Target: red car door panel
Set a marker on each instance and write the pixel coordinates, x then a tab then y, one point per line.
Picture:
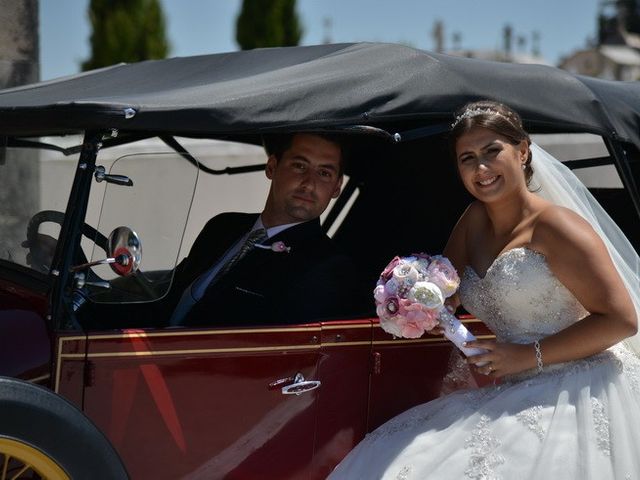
203	403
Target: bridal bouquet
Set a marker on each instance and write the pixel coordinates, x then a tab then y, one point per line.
410	297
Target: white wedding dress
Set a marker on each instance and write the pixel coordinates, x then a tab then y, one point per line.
577	420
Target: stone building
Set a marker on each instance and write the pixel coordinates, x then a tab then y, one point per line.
616	53
611	62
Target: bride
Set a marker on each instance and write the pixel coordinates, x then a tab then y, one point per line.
556	287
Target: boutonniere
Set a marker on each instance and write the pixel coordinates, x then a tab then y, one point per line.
278	247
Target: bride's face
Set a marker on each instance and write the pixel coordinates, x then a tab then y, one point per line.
490	165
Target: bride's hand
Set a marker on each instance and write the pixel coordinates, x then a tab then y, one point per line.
436	331
502	358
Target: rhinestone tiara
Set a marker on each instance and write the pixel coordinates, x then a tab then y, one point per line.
474	112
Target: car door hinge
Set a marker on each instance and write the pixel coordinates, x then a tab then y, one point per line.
89	373
376	364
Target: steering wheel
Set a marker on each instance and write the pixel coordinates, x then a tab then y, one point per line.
54	216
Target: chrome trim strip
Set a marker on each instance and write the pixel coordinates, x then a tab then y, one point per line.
180	332
38	379
425	340
345	344
162	353
345	327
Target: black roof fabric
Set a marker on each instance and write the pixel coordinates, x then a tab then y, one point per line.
313	87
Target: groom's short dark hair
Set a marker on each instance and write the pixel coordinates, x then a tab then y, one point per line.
277	143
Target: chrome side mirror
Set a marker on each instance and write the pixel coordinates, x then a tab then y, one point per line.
125	248
125	253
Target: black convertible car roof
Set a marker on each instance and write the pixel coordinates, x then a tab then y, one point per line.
311	87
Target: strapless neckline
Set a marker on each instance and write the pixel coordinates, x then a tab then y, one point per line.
519	298
499	258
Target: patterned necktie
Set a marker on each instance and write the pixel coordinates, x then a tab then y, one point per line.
255	237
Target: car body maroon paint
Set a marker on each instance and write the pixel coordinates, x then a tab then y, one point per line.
208	403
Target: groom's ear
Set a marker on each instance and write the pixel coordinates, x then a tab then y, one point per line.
271	166
336	192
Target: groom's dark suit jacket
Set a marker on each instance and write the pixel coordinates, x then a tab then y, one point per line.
315	280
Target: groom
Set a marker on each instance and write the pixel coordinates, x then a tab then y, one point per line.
276	267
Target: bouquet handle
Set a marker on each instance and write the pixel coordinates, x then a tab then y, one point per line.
455	331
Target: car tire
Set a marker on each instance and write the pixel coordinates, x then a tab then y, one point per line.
44	431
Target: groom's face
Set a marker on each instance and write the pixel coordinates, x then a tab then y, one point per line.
303	180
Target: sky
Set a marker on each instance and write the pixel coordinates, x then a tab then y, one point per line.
208	26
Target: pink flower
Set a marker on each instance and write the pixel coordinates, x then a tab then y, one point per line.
277	247
387	273
280	247
409	328
418	314
442	273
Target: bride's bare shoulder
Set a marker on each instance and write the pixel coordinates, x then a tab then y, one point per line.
559	227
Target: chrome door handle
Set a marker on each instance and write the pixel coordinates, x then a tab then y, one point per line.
300	385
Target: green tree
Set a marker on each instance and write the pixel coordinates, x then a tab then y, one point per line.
126	31
268	23
630	13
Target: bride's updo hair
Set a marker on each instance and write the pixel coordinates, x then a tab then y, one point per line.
494	116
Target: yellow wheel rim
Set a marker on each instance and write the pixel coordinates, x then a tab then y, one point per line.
19	460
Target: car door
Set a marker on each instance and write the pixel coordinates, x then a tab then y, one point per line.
408	372
205	403
345	367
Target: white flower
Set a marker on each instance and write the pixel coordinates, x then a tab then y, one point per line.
390	326
405	274
427	294
422	264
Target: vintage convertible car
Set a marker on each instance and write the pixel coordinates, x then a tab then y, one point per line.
95	165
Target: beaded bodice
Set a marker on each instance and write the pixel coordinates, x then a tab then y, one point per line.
519	298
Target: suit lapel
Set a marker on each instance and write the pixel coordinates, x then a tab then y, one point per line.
297	237
218	239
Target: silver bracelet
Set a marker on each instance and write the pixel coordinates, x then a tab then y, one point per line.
536	345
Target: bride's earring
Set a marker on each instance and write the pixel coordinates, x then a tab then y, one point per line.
524	166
